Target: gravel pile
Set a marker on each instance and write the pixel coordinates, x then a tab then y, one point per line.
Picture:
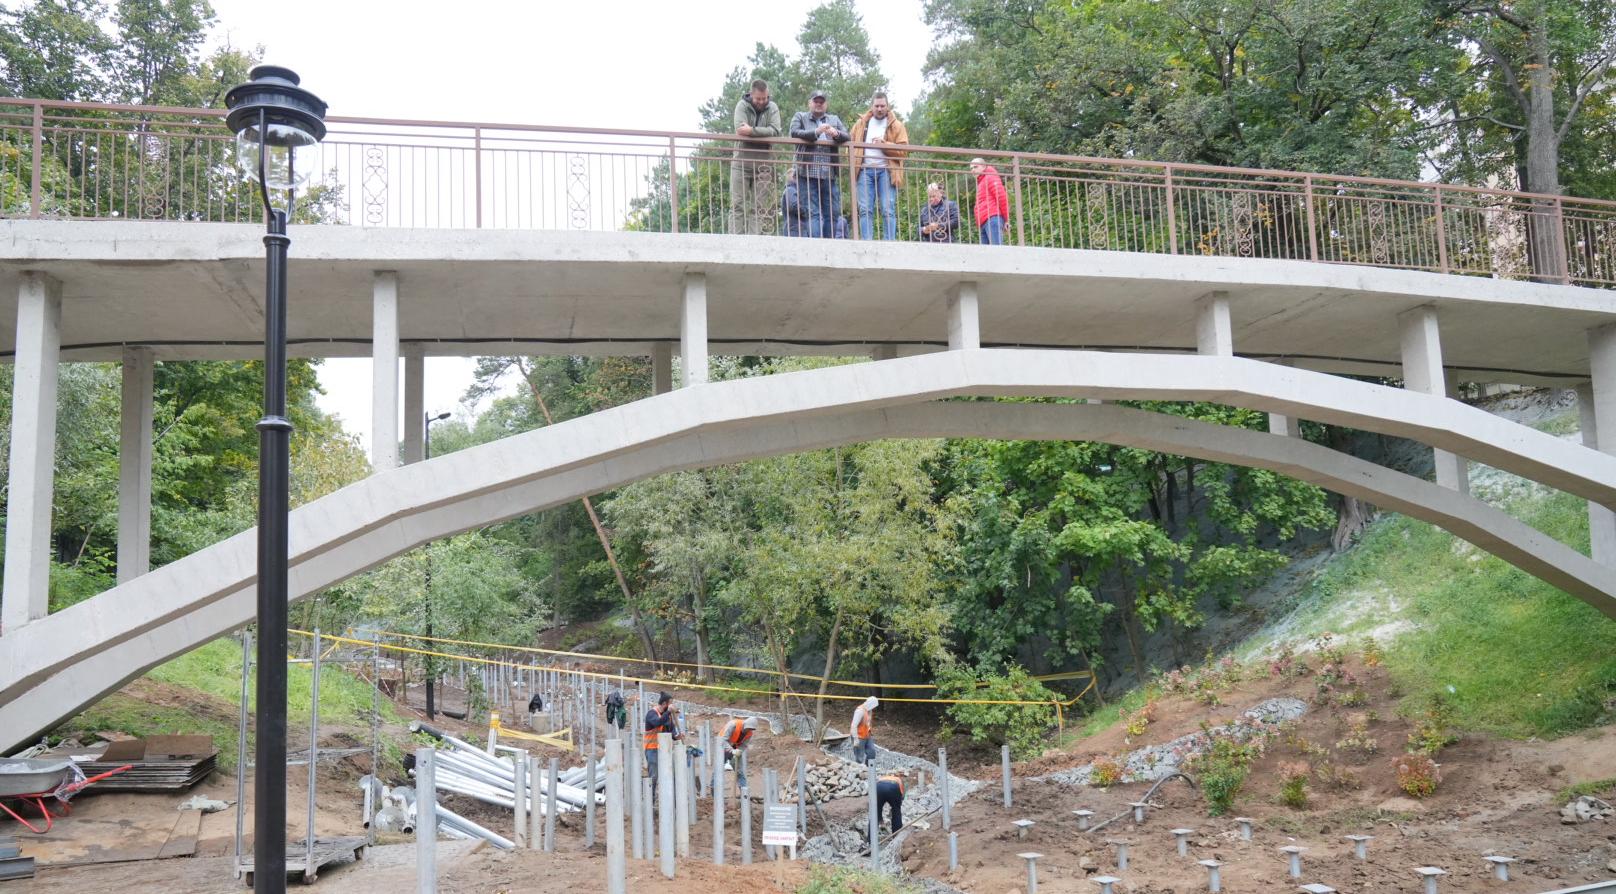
1153	762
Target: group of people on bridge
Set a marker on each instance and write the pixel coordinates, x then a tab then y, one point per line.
811	200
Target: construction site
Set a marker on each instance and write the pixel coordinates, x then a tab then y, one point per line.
558	799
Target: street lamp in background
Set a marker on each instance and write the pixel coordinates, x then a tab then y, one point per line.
432	668
277	123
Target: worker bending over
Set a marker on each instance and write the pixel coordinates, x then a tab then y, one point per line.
660	719
889	793
737	734
863	742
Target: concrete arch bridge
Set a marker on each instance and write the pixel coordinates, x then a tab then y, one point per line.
1099	323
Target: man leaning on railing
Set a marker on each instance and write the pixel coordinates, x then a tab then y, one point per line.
822	134
751	176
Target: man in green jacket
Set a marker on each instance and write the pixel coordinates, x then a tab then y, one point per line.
751	175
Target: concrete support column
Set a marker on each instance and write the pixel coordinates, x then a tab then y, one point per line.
1214	334
884	352
964	319
693	330
1596	402
414	403
135	465
661	368
384	375
1284	425
1422	372
26	595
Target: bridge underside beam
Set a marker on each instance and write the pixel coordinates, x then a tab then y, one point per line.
176	607
1461	514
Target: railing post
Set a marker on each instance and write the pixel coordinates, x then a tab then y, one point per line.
477	167
673	186
1172	215
1441	232
854	231
1015	184
39	150
1560	234
1312	226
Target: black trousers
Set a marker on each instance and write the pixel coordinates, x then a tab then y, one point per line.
888	794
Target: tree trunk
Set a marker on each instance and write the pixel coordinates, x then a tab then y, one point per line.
1351	517
698	608
1545	239
831	647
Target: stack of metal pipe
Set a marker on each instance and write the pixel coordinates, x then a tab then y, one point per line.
464	769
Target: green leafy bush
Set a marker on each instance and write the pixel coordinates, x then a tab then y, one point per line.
1293	784
1022	727
1222	772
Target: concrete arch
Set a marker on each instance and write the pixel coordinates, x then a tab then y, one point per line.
58	664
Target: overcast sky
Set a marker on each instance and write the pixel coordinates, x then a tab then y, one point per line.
623	63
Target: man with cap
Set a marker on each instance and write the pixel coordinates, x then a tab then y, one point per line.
737	735
660	719
863	741
818	168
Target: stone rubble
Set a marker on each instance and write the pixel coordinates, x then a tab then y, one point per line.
1154	762
1584	809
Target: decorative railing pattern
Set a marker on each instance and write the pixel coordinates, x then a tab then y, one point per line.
93	161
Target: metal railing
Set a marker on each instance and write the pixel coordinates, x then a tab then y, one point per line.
94	161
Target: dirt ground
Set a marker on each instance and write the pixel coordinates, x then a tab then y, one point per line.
1495	797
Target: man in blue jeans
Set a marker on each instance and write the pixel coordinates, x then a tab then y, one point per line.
878	169
818	168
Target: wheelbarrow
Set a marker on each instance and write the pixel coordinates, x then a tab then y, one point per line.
32	780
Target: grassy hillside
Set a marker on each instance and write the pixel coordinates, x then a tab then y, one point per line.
200	692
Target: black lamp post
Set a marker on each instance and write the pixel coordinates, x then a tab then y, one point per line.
431	663
275	120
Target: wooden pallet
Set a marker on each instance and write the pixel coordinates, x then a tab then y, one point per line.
326	851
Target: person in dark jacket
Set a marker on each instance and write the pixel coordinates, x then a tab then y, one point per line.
818	164
660	719
793	211
939	217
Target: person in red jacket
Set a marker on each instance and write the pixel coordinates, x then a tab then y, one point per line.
992	202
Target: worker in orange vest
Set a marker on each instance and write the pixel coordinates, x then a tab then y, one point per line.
863	742
660	719
737	734
889	794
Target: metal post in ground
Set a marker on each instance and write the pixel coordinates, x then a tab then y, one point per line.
665	805
953	851
1004	760
242	760
647	819
874	828
681	794
769	850
520	799
718	812
942	776
550	808
616	859
426	823
535	820
631	783
589	802
375	740
314	747
746	826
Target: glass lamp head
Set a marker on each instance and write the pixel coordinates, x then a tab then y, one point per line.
277	123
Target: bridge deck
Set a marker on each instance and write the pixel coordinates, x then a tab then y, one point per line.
195	291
